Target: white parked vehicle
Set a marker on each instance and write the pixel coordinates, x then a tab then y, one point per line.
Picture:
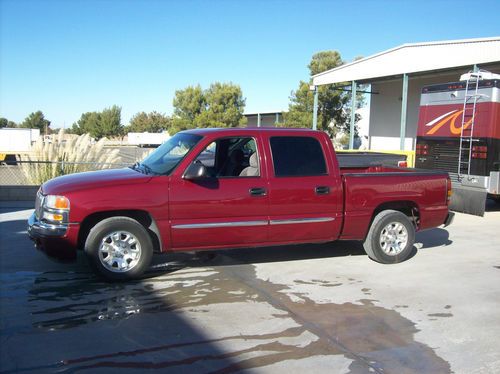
15	142
147	139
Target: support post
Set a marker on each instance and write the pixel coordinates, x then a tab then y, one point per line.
353	114
315	108
404	106
258	119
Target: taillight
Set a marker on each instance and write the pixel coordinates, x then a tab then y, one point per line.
422	149
402	164
449	191
480	152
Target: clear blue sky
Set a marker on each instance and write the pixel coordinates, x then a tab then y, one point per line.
69	57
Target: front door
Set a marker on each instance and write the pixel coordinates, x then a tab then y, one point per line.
227	208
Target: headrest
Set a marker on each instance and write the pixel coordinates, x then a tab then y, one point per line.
254	162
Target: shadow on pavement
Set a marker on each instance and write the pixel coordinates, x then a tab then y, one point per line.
492	206
433	238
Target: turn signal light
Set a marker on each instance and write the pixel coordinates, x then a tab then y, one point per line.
53	217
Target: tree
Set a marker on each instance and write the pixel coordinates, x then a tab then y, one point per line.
36	120
333	103
221	105
86	124
4	122
110	122
225	106
100	124
149	122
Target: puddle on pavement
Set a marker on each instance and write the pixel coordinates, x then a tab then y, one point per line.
373	338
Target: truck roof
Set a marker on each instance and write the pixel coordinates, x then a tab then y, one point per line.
251	130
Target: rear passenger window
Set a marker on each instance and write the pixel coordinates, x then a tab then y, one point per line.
297	156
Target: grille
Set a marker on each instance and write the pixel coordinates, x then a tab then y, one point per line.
445	157
38	204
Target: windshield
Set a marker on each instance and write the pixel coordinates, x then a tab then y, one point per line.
167	156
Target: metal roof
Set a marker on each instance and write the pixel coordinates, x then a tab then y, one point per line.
415	58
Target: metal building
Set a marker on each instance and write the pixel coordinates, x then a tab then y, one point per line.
397	76
265	119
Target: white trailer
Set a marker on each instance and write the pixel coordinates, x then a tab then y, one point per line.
16	141
147	139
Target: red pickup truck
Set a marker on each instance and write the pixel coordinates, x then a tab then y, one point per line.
226	188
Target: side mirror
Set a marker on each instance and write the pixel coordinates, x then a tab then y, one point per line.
195	171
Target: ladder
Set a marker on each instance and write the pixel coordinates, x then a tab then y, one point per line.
468	116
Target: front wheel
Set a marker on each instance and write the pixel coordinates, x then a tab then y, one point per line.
391	237
119	248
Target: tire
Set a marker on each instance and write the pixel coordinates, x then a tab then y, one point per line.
119	248
391	237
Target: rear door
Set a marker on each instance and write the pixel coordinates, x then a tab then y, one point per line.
305	191
227	208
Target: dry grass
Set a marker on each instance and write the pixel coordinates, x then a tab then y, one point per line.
67	154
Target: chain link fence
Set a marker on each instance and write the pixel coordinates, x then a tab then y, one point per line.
32	173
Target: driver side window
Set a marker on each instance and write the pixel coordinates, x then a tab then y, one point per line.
231	157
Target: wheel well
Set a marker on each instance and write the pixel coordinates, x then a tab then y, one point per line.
409	208
140	216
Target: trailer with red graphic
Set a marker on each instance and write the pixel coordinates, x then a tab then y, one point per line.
459	132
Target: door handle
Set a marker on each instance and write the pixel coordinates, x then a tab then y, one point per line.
258	191
322	190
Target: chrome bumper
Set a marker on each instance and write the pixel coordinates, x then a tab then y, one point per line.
37	229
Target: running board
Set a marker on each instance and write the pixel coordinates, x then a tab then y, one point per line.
468	200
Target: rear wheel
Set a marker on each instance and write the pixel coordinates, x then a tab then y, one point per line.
391	237
119	248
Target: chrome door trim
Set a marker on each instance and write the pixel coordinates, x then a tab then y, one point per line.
253	223
220	224
301	220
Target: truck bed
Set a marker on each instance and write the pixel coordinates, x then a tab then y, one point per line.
369	187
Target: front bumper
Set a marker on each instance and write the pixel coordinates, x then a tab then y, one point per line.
38	229
56	241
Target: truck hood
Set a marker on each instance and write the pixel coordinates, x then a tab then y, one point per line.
93	179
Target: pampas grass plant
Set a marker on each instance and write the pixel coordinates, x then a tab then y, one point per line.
67	154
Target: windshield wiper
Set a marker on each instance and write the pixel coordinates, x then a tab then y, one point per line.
136	167
147	169
143	168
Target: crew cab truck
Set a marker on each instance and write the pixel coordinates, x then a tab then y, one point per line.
226	188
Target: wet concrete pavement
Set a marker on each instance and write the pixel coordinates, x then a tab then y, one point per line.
322	308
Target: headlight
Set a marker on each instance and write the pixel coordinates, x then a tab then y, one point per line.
57	202
55	209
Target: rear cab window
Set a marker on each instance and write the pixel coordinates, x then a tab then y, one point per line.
297	156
